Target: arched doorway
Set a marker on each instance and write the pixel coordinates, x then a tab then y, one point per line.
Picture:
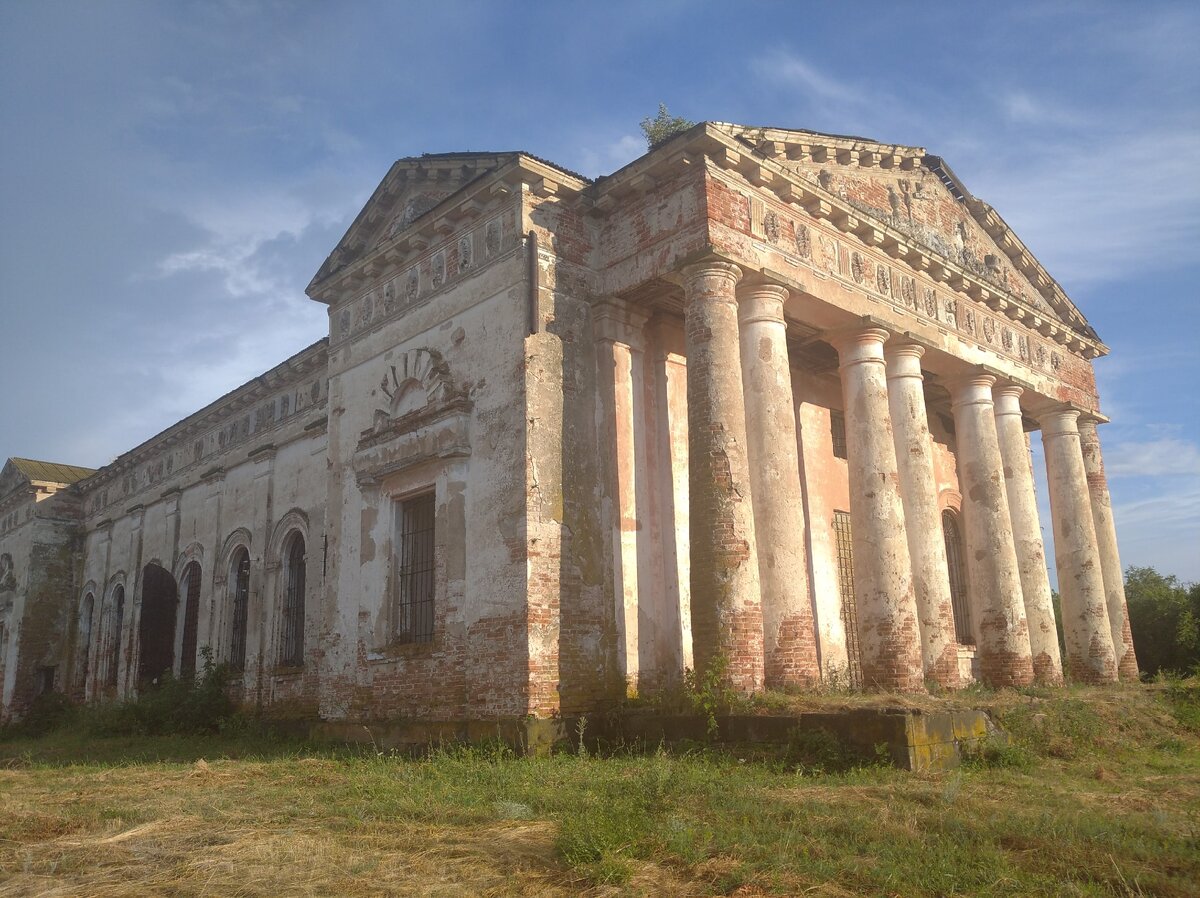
191	620
156	631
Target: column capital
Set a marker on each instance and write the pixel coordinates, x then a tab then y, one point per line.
761	301
1092	418
1058	420
903	358
860	342
710	269
973	386
619	321
1007	397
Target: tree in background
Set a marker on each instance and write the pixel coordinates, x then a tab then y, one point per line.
663	127
1164	617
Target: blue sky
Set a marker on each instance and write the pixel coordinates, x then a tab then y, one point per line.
172	174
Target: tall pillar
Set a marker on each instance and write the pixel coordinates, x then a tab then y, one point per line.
1027	536
618	361
789	644
922	518
889	633
995	577
1090	655
1106	542
726	606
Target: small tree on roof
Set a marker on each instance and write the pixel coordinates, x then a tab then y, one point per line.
663	126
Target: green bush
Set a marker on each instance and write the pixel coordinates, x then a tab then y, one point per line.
1164	617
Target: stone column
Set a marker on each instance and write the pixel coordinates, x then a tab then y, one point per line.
789	643
995	577
1106	541
922	518
618	360
889	634
726	606
1090	655
1027	536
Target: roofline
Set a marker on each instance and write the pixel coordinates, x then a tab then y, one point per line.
197	416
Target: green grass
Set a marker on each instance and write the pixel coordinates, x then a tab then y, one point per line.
1097	792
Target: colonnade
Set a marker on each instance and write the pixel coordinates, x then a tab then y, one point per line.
750	607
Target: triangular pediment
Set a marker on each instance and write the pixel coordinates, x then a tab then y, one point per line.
412	188
917	194
12	479
22	473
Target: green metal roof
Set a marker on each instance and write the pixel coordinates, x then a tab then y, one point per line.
50	472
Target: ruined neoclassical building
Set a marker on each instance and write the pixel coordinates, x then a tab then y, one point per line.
757	402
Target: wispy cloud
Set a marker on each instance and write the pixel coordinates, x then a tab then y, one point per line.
606	155
1022	107
1154	458
1137	192
792	71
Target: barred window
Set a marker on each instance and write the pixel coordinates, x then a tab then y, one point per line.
295	573
239	579
414	565
845	561
191	620
114	648
963	631
85	638
837	431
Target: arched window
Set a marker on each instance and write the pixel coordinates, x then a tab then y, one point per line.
292	632
955	562
191	619
85	638
114	648
239	583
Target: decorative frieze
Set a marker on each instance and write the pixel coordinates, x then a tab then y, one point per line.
438	268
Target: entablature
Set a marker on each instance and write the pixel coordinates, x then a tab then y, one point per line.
289	392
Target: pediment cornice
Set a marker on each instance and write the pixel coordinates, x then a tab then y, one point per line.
755	156
357	262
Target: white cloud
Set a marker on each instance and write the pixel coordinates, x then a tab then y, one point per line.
1021	107
605	156
789	70
1154	458
1103	207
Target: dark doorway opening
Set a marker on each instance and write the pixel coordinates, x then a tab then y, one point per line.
156	632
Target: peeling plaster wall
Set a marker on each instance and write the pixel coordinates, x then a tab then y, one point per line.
36	597
477	663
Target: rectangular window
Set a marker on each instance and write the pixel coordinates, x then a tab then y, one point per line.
837	431
845	562
414	569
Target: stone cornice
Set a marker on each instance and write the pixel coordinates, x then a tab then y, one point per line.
475	200
717	146
298	368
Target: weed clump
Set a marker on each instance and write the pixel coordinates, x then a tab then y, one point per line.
184	706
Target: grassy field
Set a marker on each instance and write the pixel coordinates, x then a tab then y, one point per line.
1097	793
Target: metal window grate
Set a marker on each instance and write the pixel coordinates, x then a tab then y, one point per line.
963	630
241	608
292	654
114	649
837	432
85	638
845	560
415	569
191	620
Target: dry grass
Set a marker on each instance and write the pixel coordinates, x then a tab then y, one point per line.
1099	795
